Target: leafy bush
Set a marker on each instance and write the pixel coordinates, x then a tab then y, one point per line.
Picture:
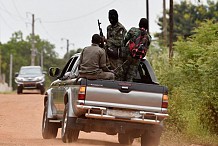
192	78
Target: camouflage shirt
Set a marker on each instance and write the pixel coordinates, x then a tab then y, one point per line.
115	35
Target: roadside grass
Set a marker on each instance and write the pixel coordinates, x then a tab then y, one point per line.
171	137
8	92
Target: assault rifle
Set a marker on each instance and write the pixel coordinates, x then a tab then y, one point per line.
101	34
119	67
100	29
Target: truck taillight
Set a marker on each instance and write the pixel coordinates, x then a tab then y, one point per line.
164	101
82	93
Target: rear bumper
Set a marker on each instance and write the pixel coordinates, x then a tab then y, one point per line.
142	116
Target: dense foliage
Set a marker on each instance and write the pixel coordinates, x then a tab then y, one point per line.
192	74
192	78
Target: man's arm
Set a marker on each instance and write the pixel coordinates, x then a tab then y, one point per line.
103	61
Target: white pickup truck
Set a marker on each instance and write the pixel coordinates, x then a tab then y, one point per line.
127	109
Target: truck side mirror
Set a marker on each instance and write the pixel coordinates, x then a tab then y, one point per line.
54	71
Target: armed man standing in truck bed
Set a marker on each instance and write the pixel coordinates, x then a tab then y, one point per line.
115	35
135	37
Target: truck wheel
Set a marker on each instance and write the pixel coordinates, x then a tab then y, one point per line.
49	130
19	90
148	140
68	133
125	139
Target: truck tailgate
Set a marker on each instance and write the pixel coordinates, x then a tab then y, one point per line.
126	95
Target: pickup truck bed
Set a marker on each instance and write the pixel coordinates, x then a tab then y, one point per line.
129	109
124	100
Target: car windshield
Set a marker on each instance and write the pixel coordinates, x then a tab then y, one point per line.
30	71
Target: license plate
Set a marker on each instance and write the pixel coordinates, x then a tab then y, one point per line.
29	84
123	113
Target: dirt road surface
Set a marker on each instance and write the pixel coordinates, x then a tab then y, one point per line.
20	124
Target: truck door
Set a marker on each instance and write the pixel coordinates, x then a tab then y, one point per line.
59	90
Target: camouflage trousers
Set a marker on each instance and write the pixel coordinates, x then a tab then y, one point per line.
130	69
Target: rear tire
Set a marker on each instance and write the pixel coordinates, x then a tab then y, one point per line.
69	133
125	139
149	139
49	130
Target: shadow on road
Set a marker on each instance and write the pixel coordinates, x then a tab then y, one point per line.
94	142
97	142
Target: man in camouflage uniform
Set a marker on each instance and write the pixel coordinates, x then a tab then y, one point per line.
115	35
131	66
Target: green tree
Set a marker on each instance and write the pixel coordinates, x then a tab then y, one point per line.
72	52
187	16
192	81
198	63
21	51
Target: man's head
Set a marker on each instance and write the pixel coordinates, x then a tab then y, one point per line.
96	39
113	17
143	23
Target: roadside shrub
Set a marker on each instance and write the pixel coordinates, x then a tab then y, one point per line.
192	79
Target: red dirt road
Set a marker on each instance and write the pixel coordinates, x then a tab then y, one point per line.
20	125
